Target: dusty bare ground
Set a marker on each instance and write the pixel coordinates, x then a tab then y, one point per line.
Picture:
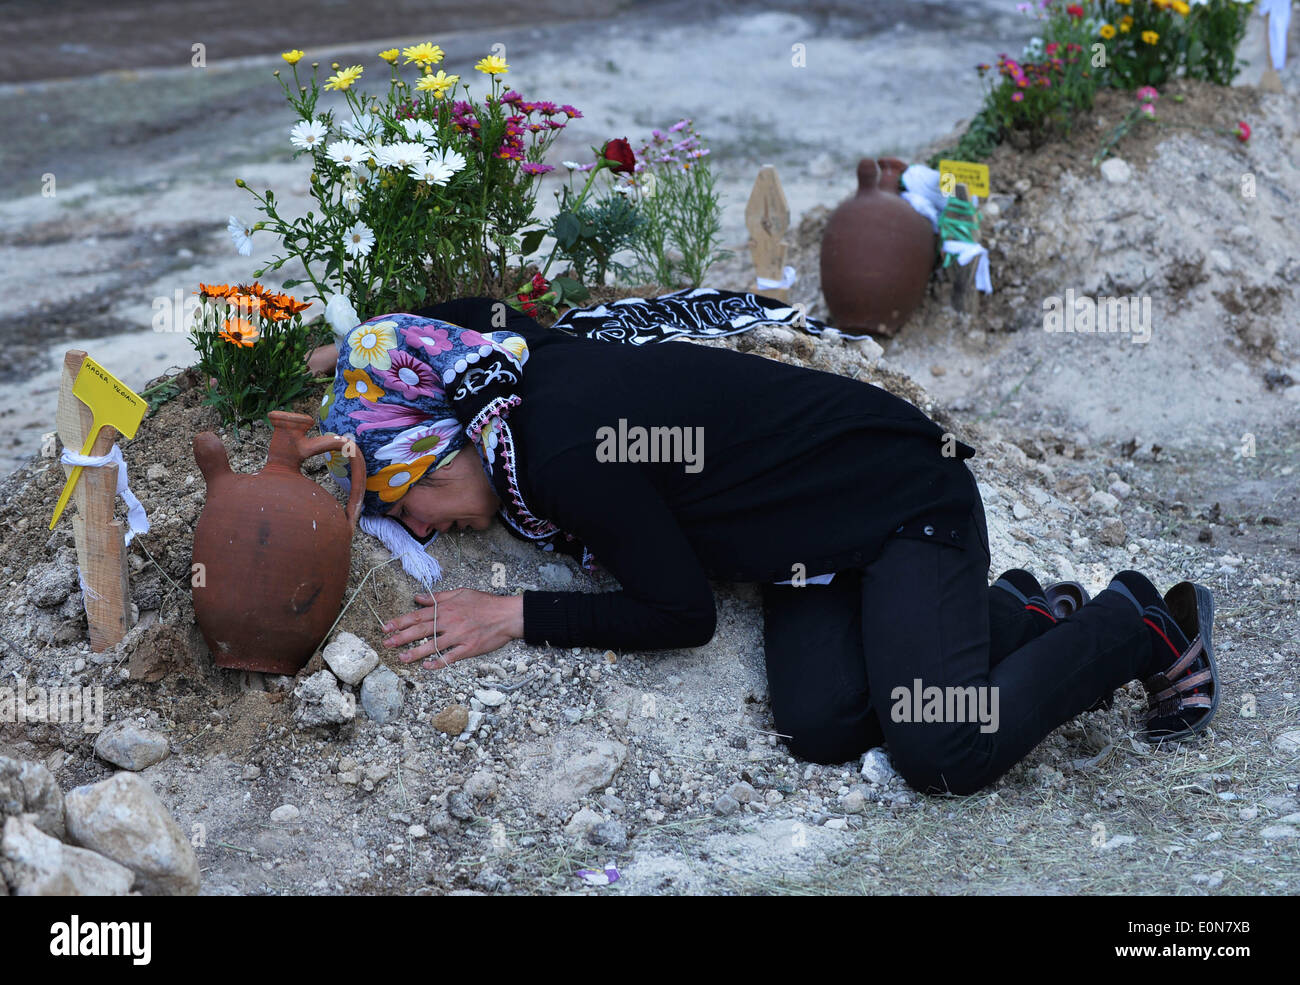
661	737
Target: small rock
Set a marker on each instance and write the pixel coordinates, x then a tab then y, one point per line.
490	698
653	780
1248	813
1278	832
251	772
853	802
1120	489
608	802
1022	186
320	702
459	806
741	792
30	788
1102	502
382	695
123	819
1116	170
1019	510
285	814
50	583
1220	261
1119	841
555	575
584	821
131	747
836	823
611	834
417	831
452	720
726	804
481	785
40	865
1288	743
350	657
877	768
1113	532
156	472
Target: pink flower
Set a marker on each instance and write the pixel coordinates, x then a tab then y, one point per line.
528	167
433	341
410	375
1148	111
1243	131
1147	94
1017	97
570	112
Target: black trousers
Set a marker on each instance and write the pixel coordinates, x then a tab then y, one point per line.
850	664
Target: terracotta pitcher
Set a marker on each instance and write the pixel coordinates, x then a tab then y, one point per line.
275	549
877	254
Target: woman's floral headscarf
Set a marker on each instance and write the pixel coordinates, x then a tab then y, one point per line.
411	390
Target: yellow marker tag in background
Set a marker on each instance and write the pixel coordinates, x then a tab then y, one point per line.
111	402
974	176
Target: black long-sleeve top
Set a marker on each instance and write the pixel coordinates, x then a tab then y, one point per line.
799	467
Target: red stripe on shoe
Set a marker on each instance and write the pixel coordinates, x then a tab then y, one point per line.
1177	652
1035	608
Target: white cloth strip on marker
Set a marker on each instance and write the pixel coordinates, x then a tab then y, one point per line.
788	277
137	520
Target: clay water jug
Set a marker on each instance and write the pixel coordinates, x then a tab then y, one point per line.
274	549
877	254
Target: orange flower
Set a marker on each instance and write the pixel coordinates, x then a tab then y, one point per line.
288	303
246	305
256	289
276	314
213	290
239	331
393	481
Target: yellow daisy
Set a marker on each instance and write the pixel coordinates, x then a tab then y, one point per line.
291	56
1181	7
344	77
423	54
369	344
492	65
361	385
1107	31
389	56
1126	25
392	481
1150	37
437	84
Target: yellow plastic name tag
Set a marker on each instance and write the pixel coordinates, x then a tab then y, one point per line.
974	176
111	402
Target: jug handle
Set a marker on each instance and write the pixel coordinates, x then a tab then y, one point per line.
338	442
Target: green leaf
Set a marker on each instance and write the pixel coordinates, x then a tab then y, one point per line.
570	289
531	241
567	229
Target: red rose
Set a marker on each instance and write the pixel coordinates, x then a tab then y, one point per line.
1075	11
619	151
1243	131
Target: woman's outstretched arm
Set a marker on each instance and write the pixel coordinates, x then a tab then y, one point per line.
666	600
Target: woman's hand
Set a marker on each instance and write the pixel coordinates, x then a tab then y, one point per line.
459	623
323	360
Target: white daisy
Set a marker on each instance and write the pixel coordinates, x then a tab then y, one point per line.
242	235
309	134
402	155
362	127
453	159
433	171
348	153
571	165
358	240
419	130
351	200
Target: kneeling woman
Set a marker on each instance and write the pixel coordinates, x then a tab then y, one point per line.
853	509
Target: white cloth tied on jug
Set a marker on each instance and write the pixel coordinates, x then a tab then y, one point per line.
788	277
137	520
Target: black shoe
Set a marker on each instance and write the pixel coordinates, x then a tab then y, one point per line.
1026	589
1184	696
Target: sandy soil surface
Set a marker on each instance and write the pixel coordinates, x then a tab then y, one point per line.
665	763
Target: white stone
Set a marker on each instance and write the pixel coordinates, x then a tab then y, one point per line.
123	819
877	768
44	866
1116	170
131	747
350	657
